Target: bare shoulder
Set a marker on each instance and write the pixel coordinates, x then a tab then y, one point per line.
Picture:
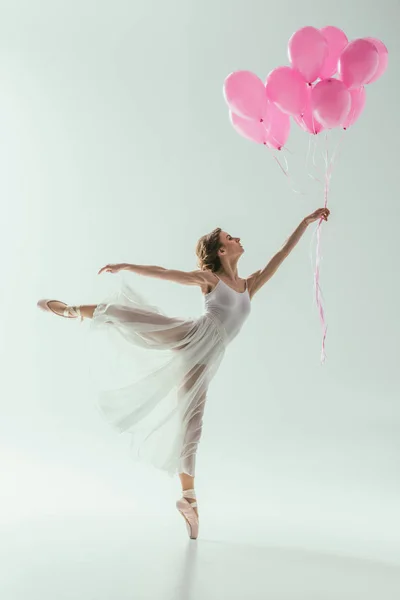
207	281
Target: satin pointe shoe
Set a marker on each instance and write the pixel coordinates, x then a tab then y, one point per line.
69	312
186	509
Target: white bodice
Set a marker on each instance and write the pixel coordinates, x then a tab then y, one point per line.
229	307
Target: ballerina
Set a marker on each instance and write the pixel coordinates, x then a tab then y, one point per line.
163	409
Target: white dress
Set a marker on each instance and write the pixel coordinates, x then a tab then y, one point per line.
173	361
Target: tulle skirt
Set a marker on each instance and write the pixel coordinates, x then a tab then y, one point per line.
157	383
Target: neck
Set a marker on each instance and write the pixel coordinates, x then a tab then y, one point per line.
229	268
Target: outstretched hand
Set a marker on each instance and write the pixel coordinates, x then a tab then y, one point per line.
111	269
321	213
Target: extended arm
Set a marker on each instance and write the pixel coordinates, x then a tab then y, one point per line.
259	278
198	277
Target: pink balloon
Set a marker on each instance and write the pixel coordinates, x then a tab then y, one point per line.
307	52
358	98
337	42
331	102
307	121
279	127
245	95
358	63
252	130
383	56
288	90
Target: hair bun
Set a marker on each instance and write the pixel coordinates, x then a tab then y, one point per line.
207	251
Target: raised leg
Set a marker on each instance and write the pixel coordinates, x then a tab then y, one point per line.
64	310
158	330
87	310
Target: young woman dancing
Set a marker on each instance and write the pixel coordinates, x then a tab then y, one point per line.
163	408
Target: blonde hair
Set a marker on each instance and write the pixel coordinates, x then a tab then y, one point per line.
207	251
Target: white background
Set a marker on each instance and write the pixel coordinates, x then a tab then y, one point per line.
115	146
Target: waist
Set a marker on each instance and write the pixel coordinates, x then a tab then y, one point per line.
228	327
216	321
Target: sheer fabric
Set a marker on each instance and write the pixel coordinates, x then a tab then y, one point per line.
163	371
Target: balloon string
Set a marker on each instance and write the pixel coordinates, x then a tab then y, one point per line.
308	151
314	141
336	153
285	171
314	138
317	287
286	149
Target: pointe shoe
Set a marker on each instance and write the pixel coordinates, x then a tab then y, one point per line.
69	312
186	509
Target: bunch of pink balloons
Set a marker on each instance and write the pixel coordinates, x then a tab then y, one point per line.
322	89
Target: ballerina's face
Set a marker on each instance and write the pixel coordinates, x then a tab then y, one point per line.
231	246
